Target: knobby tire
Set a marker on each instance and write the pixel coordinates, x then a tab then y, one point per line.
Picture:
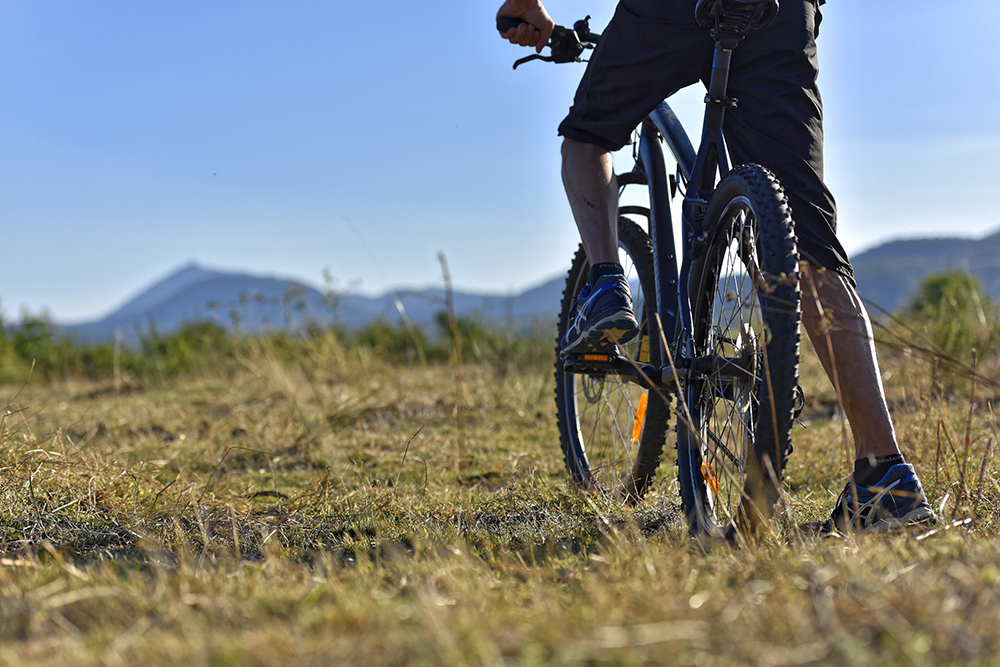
734	427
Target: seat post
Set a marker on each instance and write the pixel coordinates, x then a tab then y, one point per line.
718	85
712	154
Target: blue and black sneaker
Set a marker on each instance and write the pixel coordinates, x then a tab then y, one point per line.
604	317
896	501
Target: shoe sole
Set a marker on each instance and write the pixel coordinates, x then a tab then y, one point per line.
921	517
617	328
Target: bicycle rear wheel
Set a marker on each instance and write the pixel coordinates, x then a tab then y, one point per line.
611	430
734	432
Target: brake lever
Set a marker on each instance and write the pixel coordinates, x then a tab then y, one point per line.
565	45
533	56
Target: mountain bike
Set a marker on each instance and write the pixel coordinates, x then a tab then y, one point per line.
720	331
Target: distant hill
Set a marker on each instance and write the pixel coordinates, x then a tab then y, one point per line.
887	275
890	274
254	303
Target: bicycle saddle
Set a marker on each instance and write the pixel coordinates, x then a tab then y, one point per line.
760	13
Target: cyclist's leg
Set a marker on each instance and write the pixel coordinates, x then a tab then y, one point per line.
884	491
589	179
841	332
779	123
604	312
646	53
650	50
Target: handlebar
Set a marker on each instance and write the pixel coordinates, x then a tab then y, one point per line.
565	45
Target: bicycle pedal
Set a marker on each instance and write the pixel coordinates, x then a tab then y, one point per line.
591	363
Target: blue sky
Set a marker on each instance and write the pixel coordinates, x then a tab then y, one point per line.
364	138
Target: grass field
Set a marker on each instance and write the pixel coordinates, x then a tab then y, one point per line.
331	508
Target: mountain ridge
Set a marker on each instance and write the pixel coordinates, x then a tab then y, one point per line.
249	303
887	275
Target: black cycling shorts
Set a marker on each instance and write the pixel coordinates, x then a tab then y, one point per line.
653	48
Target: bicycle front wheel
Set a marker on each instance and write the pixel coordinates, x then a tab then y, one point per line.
734	431
612	430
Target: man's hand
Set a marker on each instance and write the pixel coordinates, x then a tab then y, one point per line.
538	27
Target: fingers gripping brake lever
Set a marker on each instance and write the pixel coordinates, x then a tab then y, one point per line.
565	45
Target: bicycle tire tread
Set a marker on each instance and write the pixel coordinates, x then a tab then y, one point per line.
776	243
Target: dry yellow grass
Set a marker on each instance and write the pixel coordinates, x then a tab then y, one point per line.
321	512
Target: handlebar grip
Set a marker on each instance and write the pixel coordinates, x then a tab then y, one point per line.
505	23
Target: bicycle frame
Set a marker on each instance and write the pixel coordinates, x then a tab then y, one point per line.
699	172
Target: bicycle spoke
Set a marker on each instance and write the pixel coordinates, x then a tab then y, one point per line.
728	399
